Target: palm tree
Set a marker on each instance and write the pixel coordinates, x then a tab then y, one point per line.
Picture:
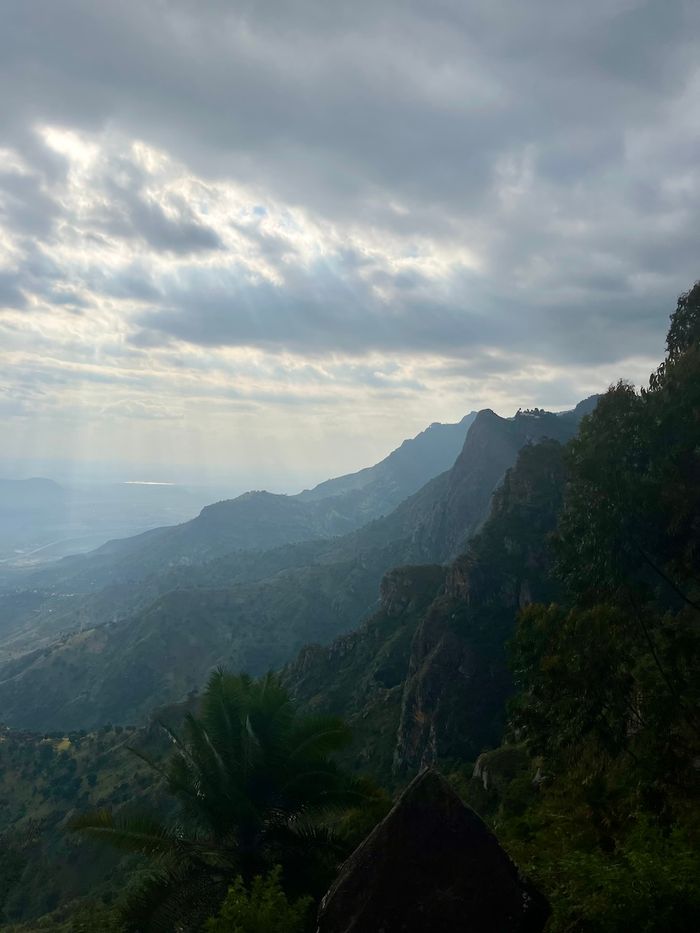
255	786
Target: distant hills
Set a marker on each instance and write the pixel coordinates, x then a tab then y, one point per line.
180	601
220	547
262	520
405	470
34	493
423	676
42	521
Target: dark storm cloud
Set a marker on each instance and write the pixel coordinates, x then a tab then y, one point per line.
558	141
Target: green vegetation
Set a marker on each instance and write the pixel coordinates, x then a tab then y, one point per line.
608	680
265	909
585	576
148	640
255	786
361	675
44	777
85	916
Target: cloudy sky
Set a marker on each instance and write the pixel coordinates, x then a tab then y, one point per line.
271	239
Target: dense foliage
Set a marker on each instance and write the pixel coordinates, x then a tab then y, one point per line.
609	678
262	909
255	786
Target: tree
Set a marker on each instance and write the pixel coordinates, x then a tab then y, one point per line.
631	521
622	658
609	679
263	909
255	784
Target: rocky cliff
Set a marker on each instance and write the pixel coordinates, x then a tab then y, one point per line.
458	679
361	675
426	678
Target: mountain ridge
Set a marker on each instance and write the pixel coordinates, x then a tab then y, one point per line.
255	625
260	519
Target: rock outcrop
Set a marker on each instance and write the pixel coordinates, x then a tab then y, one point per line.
361	675
458	678
431	865
454	692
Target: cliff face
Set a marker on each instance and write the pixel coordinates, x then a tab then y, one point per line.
427	677
458	678
440	519
361	675
453	696
404	471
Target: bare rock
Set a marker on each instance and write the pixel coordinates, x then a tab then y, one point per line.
431	865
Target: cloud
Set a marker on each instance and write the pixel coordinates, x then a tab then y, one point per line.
11	295
126	209
25	208
267	206
130	408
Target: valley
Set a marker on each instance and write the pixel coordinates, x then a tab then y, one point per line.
157	628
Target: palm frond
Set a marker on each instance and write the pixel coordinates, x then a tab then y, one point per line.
130	833
319	736
176	897
154	765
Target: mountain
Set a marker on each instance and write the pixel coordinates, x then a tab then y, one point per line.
435	524
423	678
426	678
221	547
262	520
41	521
118	666
36	493
406	469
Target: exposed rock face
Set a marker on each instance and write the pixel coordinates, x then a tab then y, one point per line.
453	695
361	675
426	677
490	449
498	767
404	589
431	865
458	677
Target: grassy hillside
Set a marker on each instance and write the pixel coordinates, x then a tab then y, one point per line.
43	779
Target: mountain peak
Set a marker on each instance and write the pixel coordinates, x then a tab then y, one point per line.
412	464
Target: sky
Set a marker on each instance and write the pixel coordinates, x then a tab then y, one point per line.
266	241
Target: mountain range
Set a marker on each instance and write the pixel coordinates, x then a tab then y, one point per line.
141	622
426	676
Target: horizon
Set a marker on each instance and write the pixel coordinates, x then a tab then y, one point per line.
188	476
